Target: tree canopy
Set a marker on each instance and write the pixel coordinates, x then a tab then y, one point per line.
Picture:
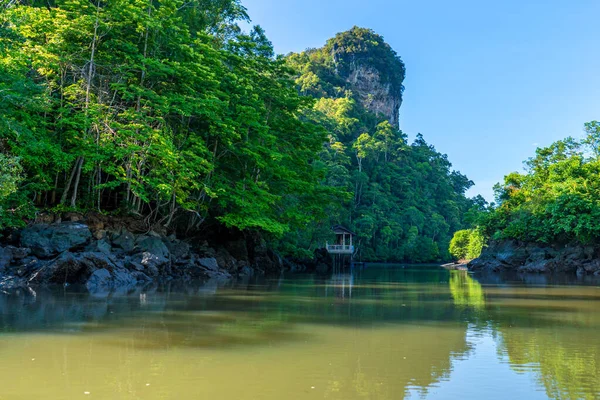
557	199
168	110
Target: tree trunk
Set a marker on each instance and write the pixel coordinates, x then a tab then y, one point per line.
63	198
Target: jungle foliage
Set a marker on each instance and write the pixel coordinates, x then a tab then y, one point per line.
169	111
466	244
404	200
557	199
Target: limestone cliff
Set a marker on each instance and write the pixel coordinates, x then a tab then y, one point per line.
358	64
372	70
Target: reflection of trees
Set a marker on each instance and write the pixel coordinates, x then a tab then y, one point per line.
466	291
398	329
550	331
568	359
414	357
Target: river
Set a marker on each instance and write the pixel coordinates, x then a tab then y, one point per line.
378	333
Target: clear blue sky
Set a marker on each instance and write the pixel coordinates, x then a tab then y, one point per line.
487	81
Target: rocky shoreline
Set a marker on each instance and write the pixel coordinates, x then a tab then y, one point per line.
513	255
105	254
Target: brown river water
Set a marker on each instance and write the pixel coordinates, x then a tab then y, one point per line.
383	332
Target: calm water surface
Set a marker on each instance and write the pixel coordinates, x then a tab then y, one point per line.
378	333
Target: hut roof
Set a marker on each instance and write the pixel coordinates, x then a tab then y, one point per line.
342	229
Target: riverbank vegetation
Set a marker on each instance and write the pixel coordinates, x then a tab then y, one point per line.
170	112
466	244
557	199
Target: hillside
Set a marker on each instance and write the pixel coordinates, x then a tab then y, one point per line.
403	199
169	113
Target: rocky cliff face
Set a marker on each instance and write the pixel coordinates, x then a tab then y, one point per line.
358	64
375	94
372	70
513	255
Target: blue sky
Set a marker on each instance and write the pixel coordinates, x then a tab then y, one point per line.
487	81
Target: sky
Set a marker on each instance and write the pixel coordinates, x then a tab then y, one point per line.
487	81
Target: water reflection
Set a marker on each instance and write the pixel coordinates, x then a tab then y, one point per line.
466	291
377	333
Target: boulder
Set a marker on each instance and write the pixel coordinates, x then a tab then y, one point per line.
124	240
19	253
99	234
227	261
153	264
103	280
67	268
28	266
123	278
246	271
74	268
103	246
209	263
238	249
100	280
6	257
134	264
140	277
178	249
153	245
48	240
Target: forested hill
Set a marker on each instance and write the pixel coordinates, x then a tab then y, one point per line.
403	200
167	111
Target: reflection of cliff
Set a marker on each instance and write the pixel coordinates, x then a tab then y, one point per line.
466	291
566	360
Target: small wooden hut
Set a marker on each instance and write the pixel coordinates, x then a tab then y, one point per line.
343	241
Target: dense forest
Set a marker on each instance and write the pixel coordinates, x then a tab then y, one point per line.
556	200
404	201
169	111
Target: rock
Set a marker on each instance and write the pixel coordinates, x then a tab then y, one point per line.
100	280
226	261
507	255
100	260
124	240
219	276
65	269
48	240
378	87
45	218
123	278
6	257
19	253
28	266
153	245
537	266
104	280
152	263
237	249
209	263
133	264
103	246
180	250
69	268
246	271
140	276
100	234
73	217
